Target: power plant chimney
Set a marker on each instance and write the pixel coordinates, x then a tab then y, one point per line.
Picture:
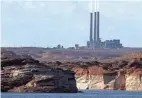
91	30
95	30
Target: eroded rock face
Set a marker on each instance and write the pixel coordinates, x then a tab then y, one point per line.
109	76
89	79
134	80
22	74
117	76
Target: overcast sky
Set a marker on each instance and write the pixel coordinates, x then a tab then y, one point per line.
48	23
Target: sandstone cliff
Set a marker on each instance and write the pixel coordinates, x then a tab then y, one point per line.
114	76
24	74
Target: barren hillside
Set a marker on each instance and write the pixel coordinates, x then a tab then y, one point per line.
128	57
45	54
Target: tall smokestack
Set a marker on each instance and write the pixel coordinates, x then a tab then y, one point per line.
98	27
95	30
91	30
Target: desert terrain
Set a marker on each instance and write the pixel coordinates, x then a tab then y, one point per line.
39	70
45	54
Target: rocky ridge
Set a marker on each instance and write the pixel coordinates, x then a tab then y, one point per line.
112	76
118	75
24	74
122	74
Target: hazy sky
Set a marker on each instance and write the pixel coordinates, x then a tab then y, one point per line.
45	23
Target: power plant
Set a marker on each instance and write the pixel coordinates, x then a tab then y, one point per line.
94	35
94	38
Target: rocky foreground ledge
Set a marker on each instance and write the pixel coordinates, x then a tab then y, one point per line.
24	74
118	75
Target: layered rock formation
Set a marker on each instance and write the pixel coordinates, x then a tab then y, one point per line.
114	76
24	74
119	75
134	80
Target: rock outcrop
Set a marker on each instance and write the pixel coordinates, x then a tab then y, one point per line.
134	80
118	75
123	75
24	74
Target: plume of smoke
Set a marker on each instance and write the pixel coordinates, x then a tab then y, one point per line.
90	6
93	5
97	5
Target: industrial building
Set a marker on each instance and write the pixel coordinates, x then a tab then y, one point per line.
111	44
